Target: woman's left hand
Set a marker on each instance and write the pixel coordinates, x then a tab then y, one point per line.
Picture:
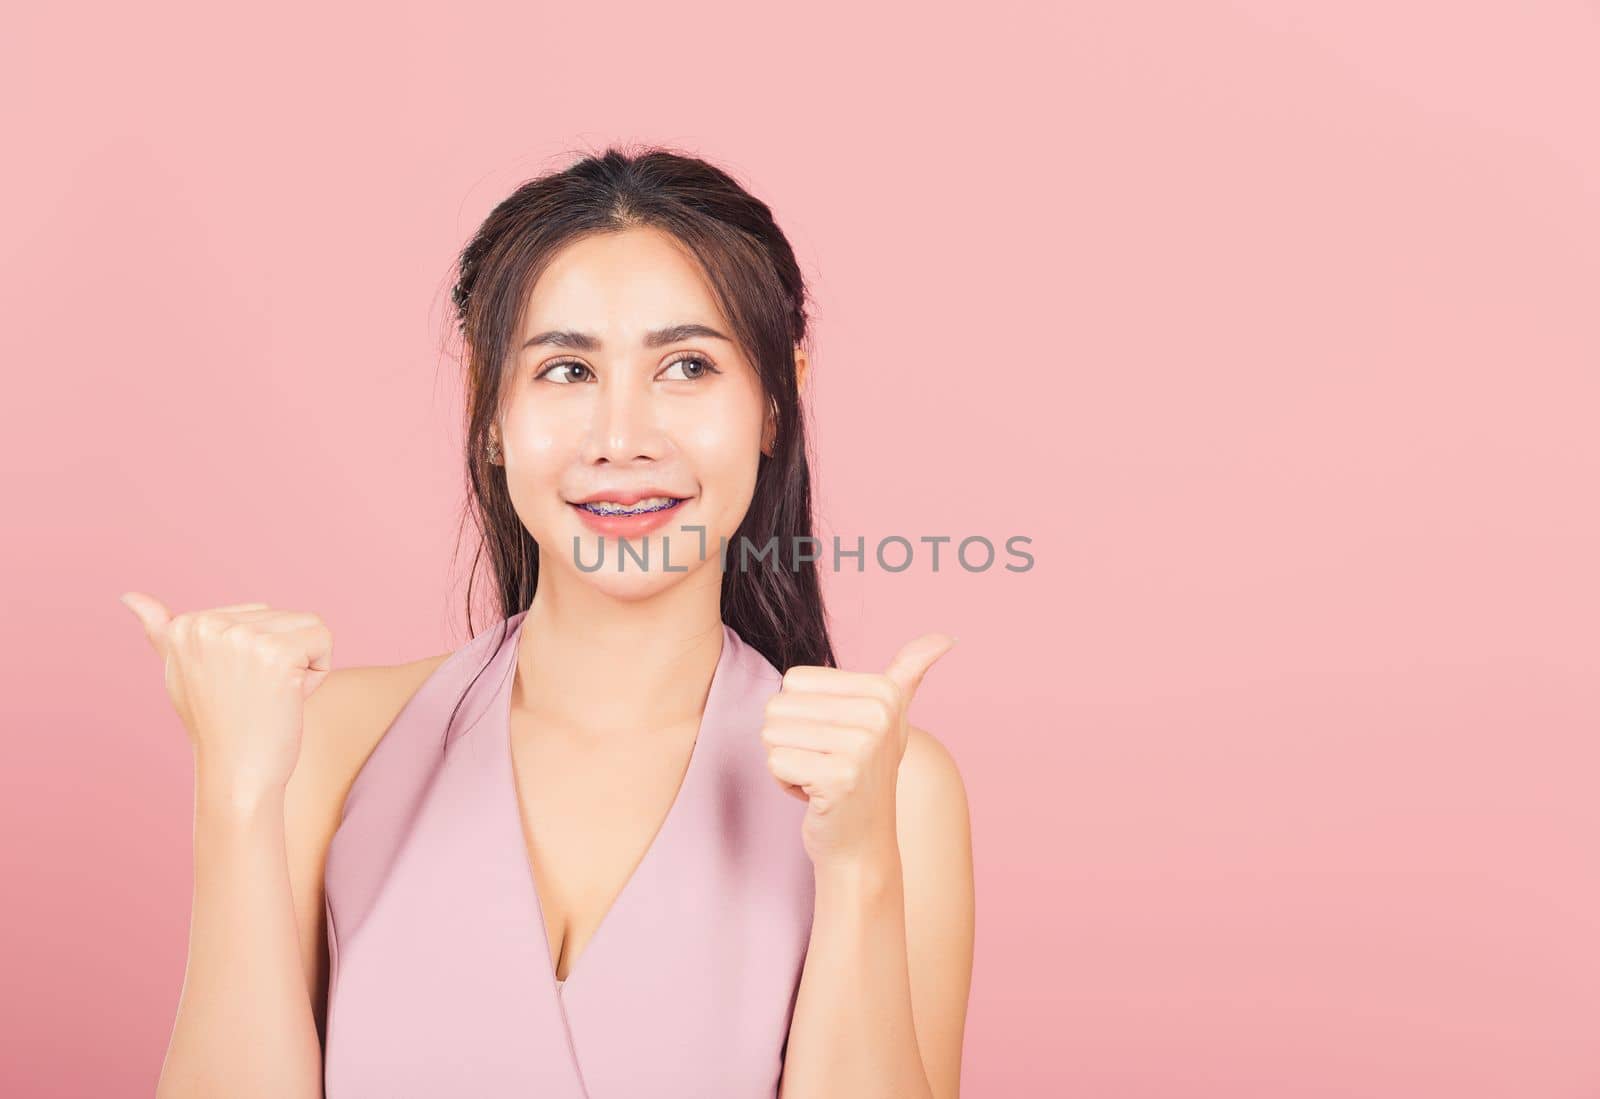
835	739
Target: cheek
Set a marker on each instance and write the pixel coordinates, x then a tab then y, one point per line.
713	443
725	453
540	439
539	450
724	431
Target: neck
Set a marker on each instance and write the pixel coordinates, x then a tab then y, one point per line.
590	662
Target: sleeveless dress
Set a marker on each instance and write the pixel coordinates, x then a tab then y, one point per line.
441	981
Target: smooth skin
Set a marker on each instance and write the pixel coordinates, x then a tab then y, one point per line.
611	677
256	695
886	830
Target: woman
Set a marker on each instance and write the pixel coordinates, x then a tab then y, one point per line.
376	848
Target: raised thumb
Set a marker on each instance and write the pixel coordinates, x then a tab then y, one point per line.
152	615
912	662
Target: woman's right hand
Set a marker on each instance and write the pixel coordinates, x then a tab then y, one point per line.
239	676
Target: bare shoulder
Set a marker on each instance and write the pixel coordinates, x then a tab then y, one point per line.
935	838
350	712
933	823
929	780
344	719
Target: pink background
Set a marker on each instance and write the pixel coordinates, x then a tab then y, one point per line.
1273	325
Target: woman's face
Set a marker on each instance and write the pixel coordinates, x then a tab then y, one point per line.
606	402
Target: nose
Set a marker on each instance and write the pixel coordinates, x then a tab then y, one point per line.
623	426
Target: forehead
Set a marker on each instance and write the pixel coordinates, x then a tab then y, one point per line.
621	284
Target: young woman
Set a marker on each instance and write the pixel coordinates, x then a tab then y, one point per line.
560	861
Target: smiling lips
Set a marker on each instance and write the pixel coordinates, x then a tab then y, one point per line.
636	507
627	513
626	497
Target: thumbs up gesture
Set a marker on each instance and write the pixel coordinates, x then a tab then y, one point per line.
238	677
835	740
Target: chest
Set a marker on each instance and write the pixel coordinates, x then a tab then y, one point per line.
590	809
680	983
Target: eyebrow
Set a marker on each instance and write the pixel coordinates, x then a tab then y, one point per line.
659	337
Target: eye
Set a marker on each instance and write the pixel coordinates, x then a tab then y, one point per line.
558	366
700	360
560	372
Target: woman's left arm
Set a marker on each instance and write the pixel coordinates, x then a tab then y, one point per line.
881	1007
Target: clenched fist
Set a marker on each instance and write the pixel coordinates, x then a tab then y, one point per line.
239	676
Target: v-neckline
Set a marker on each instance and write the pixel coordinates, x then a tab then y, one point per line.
696	750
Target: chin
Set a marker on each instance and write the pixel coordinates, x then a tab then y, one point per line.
632	585
622	576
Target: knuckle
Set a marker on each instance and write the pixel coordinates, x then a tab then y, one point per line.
210	627
887	690
239	634
266	647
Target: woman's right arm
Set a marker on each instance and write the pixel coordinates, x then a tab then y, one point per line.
245	1024
278	739
238	677
259	902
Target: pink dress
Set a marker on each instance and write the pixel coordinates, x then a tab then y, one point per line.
441	983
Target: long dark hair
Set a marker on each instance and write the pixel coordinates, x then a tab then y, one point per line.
775	605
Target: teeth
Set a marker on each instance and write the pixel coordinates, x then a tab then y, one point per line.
605	507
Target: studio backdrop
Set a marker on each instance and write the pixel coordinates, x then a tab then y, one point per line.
1224	376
